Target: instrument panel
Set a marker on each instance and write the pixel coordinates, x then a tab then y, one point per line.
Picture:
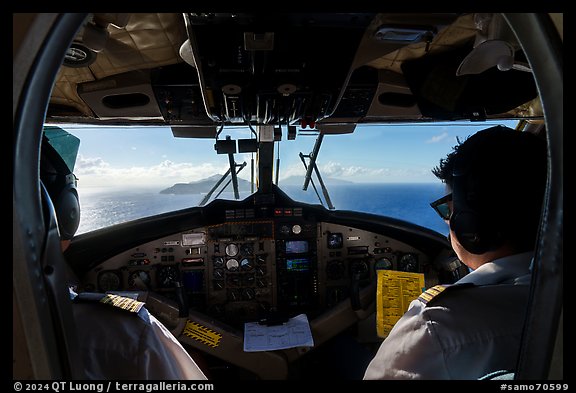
245	270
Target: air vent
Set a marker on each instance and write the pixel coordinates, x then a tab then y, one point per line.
120	101
125	95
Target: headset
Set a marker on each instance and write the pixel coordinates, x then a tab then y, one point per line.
60	183
498	183
471	219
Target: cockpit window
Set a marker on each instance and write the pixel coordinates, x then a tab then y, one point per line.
127	173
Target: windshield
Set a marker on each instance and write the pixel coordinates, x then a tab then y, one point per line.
127	173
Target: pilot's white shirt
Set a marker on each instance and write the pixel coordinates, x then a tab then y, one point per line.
117	344
466	332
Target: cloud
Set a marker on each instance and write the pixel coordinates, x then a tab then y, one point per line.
361	174
438	138
90	166
95	172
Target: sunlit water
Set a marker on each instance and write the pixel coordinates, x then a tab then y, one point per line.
411	202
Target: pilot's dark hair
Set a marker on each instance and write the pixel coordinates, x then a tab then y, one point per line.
498	180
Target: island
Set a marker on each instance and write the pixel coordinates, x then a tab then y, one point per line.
204	186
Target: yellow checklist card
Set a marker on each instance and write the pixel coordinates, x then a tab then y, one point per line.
395	292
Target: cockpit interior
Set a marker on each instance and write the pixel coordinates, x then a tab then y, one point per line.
208	271
230	263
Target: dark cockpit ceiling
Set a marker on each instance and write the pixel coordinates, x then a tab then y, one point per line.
197	72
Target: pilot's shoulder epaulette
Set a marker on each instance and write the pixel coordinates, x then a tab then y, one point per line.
434	292
123	302
118	301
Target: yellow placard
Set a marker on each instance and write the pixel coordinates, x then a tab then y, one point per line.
395	292
201	333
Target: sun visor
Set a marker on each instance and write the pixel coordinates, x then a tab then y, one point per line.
335	129
485	56
441	94
64	143
207	132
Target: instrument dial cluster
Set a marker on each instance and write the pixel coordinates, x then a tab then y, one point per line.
239	271
350	258
160	266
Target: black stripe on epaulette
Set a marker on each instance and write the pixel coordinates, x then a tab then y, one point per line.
89	297
116	301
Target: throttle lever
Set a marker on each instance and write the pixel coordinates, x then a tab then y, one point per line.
355	292
181	299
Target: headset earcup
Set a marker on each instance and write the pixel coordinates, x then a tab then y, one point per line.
67	208
467	227
466	222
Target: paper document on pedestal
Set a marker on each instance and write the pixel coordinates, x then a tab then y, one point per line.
294	333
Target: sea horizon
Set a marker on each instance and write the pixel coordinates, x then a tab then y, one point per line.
105	206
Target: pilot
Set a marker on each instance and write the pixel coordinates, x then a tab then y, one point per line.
495	181
118	337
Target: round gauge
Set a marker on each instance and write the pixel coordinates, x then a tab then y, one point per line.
383	264
218	285
359	268
219	274
232	265
264	307
234	295
296	229
216	310
260	271
139	280
109	281
335	270
260	283
247	249
233	280
218	262
248	294
335	240
246	264
168	276
231	250
285	229
408	263
248	280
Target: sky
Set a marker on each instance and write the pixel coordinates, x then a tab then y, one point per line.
114	157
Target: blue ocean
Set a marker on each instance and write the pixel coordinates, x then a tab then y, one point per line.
409	202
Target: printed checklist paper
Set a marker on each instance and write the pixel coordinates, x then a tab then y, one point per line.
395	291
294	333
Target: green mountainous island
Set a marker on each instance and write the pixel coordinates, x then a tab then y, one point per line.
205	185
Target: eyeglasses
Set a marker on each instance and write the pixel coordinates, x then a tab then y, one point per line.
442	207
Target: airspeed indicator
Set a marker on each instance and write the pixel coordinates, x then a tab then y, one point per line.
109	281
